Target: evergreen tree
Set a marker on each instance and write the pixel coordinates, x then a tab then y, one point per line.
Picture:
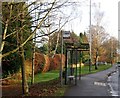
11	63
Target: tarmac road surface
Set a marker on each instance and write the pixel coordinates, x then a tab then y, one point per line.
114	83
92	85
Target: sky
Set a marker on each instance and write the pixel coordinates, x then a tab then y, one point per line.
109	21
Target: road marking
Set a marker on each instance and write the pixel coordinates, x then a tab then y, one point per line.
99	83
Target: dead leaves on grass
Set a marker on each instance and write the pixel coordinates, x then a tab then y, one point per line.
45	89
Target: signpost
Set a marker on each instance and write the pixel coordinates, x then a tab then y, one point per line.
66	35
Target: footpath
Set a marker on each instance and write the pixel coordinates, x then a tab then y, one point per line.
92	84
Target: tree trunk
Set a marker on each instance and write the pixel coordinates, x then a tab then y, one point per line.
96	60
96	67
24	80
33	64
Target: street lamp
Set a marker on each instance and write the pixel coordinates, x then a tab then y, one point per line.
61	53
90	39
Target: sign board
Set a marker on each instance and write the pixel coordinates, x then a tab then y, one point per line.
66	34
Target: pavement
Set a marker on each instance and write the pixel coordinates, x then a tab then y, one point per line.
92	84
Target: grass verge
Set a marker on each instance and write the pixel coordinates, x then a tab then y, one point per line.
47	84
85	69
43	77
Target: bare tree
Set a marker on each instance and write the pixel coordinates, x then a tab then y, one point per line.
56	20
98	35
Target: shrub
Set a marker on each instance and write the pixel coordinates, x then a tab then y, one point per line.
55	62
39	62
47	64
10	65
42	63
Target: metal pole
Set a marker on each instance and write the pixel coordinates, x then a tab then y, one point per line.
61	58
66	68
72	69
80	66
90	40
76	68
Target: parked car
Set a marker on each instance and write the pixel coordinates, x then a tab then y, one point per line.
87	63
101	63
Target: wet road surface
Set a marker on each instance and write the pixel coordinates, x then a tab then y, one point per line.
92	85
114	83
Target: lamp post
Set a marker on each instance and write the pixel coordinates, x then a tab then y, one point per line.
61	79
90	39
61	57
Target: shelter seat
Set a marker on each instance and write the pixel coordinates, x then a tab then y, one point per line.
71	77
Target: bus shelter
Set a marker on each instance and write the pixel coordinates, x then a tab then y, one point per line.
73	54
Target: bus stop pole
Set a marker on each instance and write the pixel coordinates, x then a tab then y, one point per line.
71	67
76	69
80	66
66	68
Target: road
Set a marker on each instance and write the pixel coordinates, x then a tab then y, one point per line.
97	84
114	83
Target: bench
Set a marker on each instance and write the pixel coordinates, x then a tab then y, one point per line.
71	77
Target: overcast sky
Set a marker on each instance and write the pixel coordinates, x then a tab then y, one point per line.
109	22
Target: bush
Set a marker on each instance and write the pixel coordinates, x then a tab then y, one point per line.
39	62
42	63
55	62
10	65
47	64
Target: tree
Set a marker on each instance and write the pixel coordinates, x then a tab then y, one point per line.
73	38
45	30
11	19
12	42
84	40
44	49
57	20
15	33
98	35
110	50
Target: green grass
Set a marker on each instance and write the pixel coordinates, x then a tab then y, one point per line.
43	77
85	69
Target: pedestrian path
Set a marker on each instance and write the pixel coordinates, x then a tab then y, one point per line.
91	85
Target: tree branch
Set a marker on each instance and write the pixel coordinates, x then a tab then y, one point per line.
44	34
39	25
